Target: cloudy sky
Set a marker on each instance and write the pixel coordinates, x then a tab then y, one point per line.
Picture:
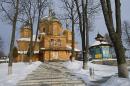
99	26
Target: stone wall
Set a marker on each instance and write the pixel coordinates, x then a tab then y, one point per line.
112	62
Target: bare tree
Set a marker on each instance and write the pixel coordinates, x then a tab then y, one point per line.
1	48
126	37
33	11
1	43
86	9
115	34
29	8
107	38
126	34
70	9
41	6
15	52
12	16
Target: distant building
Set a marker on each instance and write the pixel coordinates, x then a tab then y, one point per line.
100	49
4	59
53	42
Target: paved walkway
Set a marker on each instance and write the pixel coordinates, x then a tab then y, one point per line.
51	74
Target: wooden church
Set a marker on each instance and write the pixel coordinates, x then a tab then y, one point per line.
53	43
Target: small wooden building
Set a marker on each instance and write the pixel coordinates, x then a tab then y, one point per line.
100	49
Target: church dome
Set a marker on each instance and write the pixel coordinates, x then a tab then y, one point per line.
50	18
66	31
26	26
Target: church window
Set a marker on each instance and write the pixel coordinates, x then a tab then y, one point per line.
55	43
25	34
70	37
59	42
43	29
52	42
54	31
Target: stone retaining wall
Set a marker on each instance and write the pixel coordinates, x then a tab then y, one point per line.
112	62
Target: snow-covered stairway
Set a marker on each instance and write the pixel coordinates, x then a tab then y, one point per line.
51	74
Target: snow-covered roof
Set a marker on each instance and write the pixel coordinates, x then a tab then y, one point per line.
44	17
25	52
96	43
28	39
27	26
3	60
42	48
53	18
42	33
69	47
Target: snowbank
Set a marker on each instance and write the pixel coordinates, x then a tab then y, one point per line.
100	71
20	71
116	81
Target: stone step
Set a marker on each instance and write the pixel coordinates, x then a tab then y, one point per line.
47	75
58	70
46	72
52	69
53	77
51	80
70	78
58	84
35	76
40	78
51	83
51	74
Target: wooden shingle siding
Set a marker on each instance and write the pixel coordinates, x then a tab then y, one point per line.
52	45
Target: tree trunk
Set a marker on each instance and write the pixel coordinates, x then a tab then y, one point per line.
83	24
38	23
115	35
73	34
73	41
85	33
31	44
13	39
80	25
120	54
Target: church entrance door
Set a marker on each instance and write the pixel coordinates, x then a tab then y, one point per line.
55	55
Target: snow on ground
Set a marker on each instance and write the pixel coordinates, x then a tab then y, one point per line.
20	71
99	72
116	81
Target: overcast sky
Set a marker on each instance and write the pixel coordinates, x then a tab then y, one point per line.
99	26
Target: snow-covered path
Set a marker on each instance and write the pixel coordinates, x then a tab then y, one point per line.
51	74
